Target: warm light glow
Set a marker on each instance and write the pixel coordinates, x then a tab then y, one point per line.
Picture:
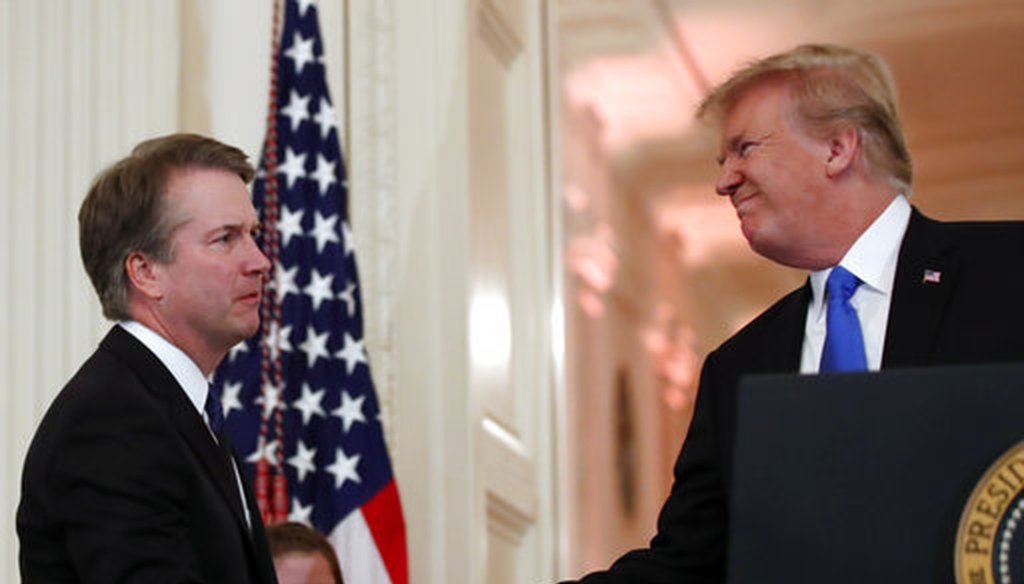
576	198
707	232
675	361
590	303
676	399
633	97
654	340
490	333
593	259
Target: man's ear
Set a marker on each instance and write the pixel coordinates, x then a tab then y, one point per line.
843	149
144	275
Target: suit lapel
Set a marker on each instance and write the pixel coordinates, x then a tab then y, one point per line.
772	343
783	353
925	277
214	460
183	415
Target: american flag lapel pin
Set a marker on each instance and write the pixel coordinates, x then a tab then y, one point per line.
931	277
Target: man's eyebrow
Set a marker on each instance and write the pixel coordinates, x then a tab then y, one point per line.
231	228
730	145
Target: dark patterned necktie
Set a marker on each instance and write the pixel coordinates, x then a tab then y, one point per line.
215	416
214	413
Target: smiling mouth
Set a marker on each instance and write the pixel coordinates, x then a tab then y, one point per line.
739	203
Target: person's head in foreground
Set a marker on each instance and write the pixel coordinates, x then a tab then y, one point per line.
302	555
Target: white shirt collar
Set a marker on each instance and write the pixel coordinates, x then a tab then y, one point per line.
184	369
872	258
189	377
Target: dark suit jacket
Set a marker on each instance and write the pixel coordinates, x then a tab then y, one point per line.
124	483
973	315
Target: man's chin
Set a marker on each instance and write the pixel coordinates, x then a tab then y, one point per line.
754	237
248	329
768	248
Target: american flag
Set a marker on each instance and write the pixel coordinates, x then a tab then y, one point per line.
298	398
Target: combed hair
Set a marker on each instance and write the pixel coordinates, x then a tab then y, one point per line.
292	537
125	210
831	86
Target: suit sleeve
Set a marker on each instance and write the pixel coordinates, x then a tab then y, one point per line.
690	544
118	483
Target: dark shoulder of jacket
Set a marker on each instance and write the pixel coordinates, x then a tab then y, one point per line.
786	316
986	233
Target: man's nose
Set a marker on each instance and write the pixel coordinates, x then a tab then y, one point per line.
729	179
260	261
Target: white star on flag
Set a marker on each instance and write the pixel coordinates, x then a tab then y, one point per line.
238	348
293	168
324	174
350	411
325	118
315	345
286	281
344	468
348	297
323	230
301	513
297	109
270	400
304	6
229	398
289	225
264	451
352	353
309	403
302	461
279	340
319	288
301	52
350	239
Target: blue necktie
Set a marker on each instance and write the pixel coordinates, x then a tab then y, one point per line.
844	343
214	413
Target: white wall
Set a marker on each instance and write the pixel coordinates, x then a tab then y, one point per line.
80	82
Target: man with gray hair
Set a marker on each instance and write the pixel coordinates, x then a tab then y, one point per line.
813	159
130	477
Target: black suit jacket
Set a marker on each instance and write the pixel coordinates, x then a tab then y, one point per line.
972	315
124	483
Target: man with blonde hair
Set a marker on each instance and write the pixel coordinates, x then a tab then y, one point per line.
814	161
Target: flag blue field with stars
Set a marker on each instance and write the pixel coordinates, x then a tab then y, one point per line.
308	368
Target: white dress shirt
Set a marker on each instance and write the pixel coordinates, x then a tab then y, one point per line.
872	258
189	377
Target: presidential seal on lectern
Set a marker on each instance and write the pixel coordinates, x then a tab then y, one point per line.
990	539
